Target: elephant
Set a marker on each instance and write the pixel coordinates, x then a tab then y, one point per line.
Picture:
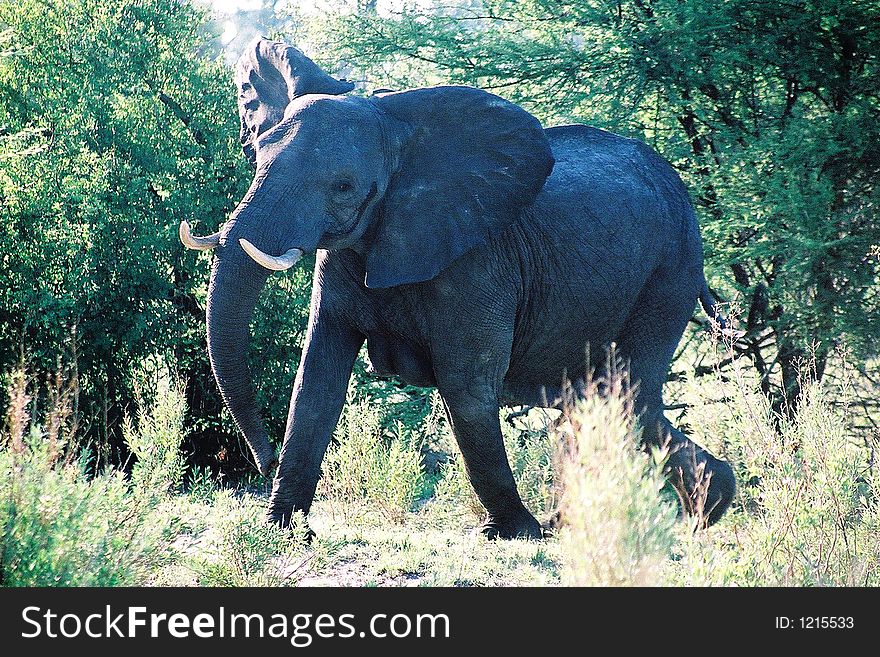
472	249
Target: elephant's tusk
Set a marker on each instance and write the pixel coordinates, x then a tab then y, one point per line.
275	263
197	243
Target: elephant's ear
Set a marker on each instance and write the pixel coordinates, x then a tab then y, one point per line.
470	163
269	75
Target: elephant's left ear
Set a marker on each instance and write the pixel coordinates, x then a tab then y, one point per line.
270	74
469	164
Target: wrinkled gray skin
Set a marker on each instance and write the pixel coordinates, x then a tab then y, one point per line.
473	250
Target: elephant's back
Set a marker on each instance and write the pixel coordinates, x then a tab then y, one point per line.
619	176
617	195
610	216
622	187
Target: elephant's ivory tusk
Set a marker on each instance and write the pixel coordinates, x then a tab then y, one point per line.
275	263
197	243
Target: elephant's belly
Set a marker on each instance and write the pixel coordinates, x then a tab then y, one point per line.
519	393
541	367
393	357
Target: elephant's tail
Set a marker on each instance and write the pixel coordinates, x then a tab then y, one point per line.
710	307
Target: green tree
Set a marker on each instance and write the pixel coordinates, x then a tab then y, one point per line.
117	122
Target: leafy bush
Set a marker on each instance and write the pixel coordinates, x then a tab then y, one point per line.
62	529
242	549
531	451
117	120
155	442
808	508
202	487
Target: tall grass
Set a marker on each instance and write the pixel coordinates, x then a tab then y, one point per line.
618	529
66	525
242	549
154	438
807	513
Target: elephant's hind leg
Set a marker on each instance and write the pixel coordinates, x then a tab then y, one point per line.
705	484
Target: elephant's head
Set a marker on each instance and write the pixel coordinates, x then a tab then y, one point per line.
410	180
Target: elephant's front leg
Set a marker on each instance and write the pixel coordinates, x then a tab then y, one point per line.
317	400
473	414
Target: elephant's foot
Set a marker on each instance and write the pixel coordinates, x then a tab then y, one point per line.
284	523
706	485
521	525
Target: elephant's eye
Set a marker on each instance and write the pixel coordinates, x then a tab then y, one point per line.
343	186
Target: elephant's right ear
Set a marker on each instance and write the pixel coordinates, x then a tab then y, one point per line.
269	75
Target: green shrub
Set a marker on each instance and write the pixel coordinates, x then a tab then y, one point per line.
454	496
367	470
155	442
202	486
815	498
531	452
808	511
618	529
242	549
61	527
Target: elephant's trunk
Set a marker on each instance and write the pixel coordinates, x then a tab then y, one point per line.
236	283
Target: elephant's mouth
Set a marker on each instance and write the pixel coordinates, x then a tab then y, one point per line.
273	263
337	238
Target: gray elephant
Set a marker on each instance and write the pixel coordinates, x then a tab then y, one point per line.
472	249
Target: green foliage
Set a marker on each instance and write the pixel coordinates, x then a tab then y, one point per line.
242	549
155	443
531	453
366	470
618	528
278	330
117	121
808	507
116	134
806	512
202	486
62	528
